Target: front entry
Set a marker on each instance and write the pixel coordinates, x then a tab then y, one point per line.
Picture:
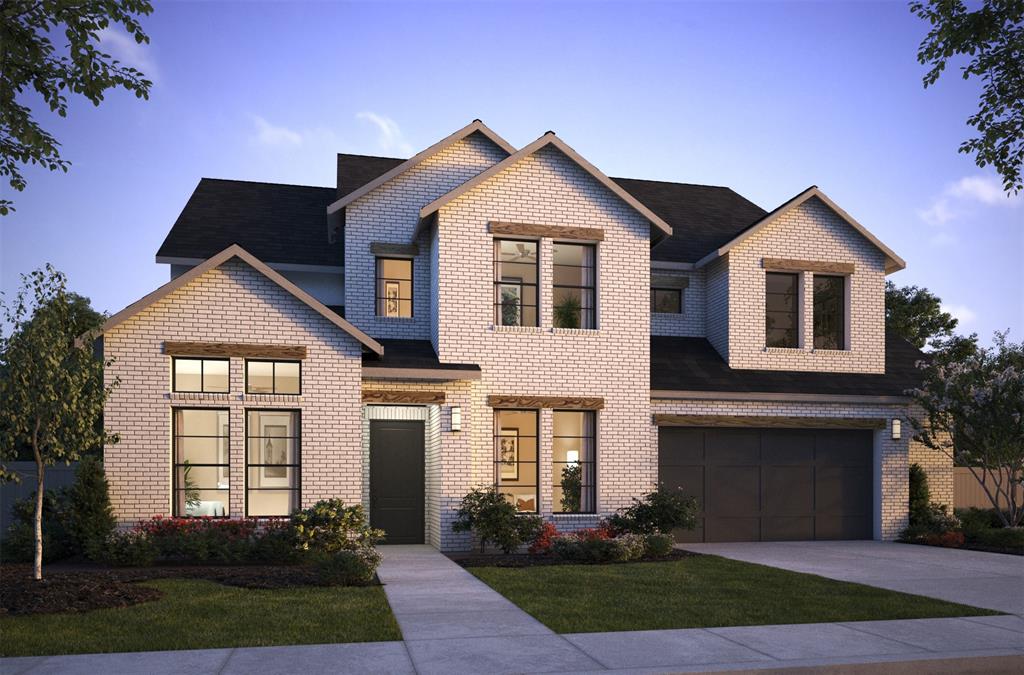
397	480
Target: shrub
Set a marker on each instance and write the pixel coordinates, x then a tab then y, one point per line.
541	544
950	539
487	514
587	550
927	521
90	517
275	544
634	546
19	543
201	539
974	520
347	567
659	511
920	496
659	544
127	548
1007	539
329	526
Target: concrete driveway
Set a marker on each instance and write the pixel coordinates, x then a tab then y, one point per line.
990	580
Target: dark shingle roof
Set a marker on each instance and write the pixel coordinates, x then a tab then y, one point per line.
410	354
703	217
692	364
355	171
276	223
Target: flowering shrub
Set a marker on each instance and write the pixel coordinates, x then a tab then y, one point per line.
329	526
493	519
949	539
348	568
634	546
202	539
659	545
542	544
660	511
128	548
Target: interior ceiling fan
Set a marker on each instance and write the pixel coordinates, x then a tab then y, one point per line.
524	253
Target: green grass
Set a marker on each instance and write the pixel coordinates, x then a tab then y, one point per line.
195	614
698	592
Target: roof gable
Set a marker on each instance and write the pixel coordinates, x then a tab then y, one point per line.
476	126
547	139
236	251
893	262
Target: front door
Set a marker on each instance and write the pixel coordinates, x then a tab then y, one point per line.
397	480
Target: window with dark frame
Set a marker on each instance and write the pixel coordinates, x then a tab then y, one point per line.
515	282
573	462
515	458
667	300
781	310
273	377
204	376
574	297
829	312
394	287
272	462
200	462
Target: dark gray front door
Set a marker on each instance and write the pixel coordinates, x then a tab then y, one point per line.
771	484
397	480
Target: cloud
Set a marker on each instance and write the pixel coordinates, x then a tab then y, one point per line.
938	213
274	136
125	49
985	189
389	135
960	198
962	313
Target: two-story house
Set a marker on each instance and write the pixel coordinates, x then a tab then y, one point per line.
482	315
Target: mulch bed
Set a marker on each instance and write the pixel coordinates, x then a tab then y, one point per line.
80	588
527	560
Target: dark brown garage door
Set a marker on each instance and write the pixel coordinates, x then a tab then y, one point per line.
771	484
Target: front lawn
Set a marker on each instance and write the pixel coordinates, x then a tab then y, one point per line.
698	592
198	614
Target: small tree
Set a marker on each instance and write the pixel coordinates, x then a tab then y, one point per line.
973	411
90	516
51	384
493	519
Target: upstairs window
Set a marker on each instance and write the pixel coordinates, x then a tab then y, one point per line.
781	310
394	287
574	297
273	377
515	283
829	312
206	376
667	293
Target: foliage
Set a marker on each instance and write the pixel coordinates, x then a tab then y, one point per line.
567	312
920	495
488	514
974	520
659	544
329	526
348	568
189	488
1003	539
509	308
90	515
200	540
128	548
992	39
52	385
30	60
927	521
572	488
583	549
19	542
660	511
274	543
973	411
541	544
916	315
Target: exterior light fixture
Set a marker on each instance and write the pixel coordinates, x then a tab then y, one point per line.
896	429
456	418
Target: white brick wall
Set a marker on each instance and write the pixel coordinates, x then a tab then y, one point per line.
690	323
232	303
811	231
716	305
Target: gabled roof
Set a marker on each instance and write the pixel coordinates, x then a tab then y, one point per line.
893	262
276	223
355	171
236	251
547	139
476	126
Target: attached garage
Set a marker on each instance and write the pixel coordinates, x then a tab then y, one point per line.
771	484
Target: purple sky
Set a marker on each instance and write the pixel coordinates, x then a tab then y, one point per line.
765	98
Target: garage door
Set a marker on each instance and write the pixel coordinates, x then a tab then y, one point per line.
771	484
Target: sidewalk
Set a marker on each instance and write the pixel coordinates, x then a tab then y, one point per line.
454	623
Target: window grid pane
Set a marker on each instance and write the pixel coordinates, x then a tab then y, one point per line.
781	317
667	300
205	376
515	283
200	488
829	312
394	287
574	286
515	458
273	377
574	462
272	462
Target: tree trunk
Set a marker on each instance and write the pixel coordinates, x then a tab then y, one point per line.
37	567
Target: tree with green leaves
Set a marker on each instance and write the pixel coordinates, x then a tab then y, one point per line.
973	411
52	385
991	39
916	314
30	61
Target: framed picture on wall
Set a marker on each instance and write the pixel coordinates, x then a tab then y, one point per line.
508	454
275	451
392	295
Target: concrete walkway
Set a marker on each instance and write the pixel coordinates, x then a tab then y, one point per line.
453	623
990	580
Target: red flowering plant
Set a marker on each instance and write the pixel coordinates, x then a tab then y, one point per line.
202	539
541	545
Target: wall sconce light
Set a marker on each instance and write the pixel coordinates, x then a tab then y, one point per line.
456	418
896	429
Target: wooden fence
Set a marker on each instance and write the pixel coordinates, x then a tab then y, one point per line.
967	491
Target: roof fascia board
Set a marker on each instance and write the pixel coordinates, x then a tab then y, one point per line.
894	263
236	251
673	395
674	266
472	127
547	139
280	267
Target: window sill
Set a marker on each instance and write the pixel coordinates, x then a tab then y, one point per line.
198	396
666	313
830	351
575	516
516	329
396	319
256	398
575	331
785	350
